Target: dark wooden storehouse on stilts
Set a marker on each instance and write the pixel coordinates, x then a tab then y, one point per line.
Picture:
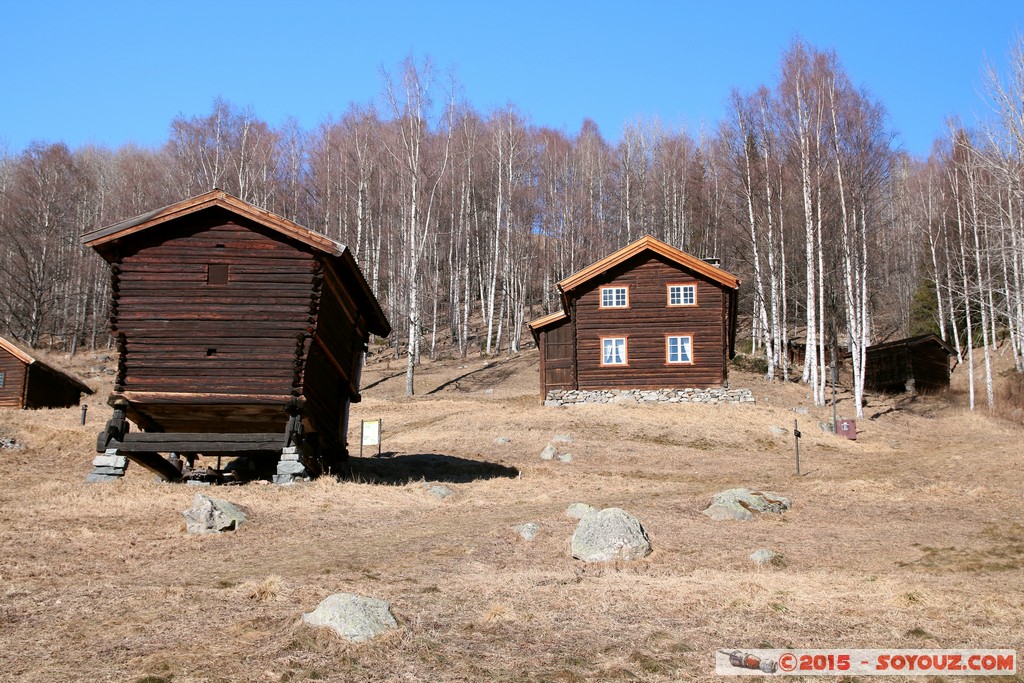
26	382
238	332
648	316
918	364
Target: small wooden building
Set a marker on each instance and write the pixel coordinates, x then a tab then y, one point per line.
648	316
916	364
238	331
26	382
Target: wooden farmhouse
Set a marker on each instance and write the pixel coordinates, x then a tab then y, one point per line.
648	316
916	364
26	382
238	332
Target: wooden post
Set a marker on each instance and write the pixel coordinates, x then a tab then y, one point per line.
796	439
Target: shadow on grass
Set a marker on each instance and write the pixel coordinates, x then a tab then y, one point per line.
390	468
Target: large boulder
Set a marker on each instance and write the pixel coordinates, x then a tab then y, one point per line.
212	516
742	504
610	534
353	617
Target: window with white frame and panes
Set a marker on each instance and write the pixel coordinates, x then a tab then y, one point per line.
613	351
679	349
682	295
614	297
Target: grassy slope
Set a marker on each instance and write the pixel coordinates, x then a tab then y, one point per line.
912	536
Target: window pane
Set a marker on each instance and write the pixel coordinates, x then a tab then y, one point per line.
613	351
678	349
614	297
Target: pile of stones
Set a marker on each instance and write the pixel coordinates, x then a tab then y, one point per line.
559	397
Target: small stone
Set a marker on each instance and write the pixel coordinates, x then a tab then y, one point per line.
767	558
210	515
353	617
827	427
502	440
292	467
111	471
551	403
775	429
528	531
802	410
439	491
110	461
93	478
565	457
579	510
548	453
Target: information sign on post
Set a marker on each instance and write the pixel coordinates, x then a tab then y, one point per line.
371	433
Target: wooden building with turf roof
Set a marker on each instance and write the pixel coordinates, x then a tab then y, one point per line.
26	382
238	331
916	364
648	316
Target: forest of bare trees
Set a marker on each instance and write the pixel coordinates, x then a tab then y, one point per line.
463	221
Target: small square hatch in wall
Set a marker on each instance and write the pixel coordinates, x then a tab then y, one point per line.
217	274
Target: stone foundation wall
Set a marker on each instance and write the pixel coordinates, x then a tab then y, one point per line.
706	396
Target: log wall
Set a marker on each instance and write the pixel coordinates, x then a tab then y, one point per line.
646	323
182	330
13	391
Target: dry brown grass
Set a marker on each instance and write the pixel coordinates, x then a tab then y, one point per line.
912	536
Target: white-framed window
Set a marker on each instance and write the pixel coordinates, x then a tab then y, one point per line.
615	297
613	351
682	295
679	349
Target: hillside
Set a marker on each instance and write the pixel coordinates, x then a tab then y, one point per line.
911	536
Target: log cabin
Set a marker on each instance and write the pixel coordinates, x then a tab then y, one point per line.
26	382
237	331
917	364
648	316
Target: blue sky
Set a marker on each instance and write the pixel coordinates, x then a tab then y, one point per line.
118	72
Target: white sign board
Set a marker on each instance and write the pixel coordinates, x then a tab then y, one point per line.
371	432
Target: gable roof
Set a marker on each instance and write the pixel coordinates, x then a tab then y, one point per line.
214	198
648	243
102	239
21	355
15	351
919	340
